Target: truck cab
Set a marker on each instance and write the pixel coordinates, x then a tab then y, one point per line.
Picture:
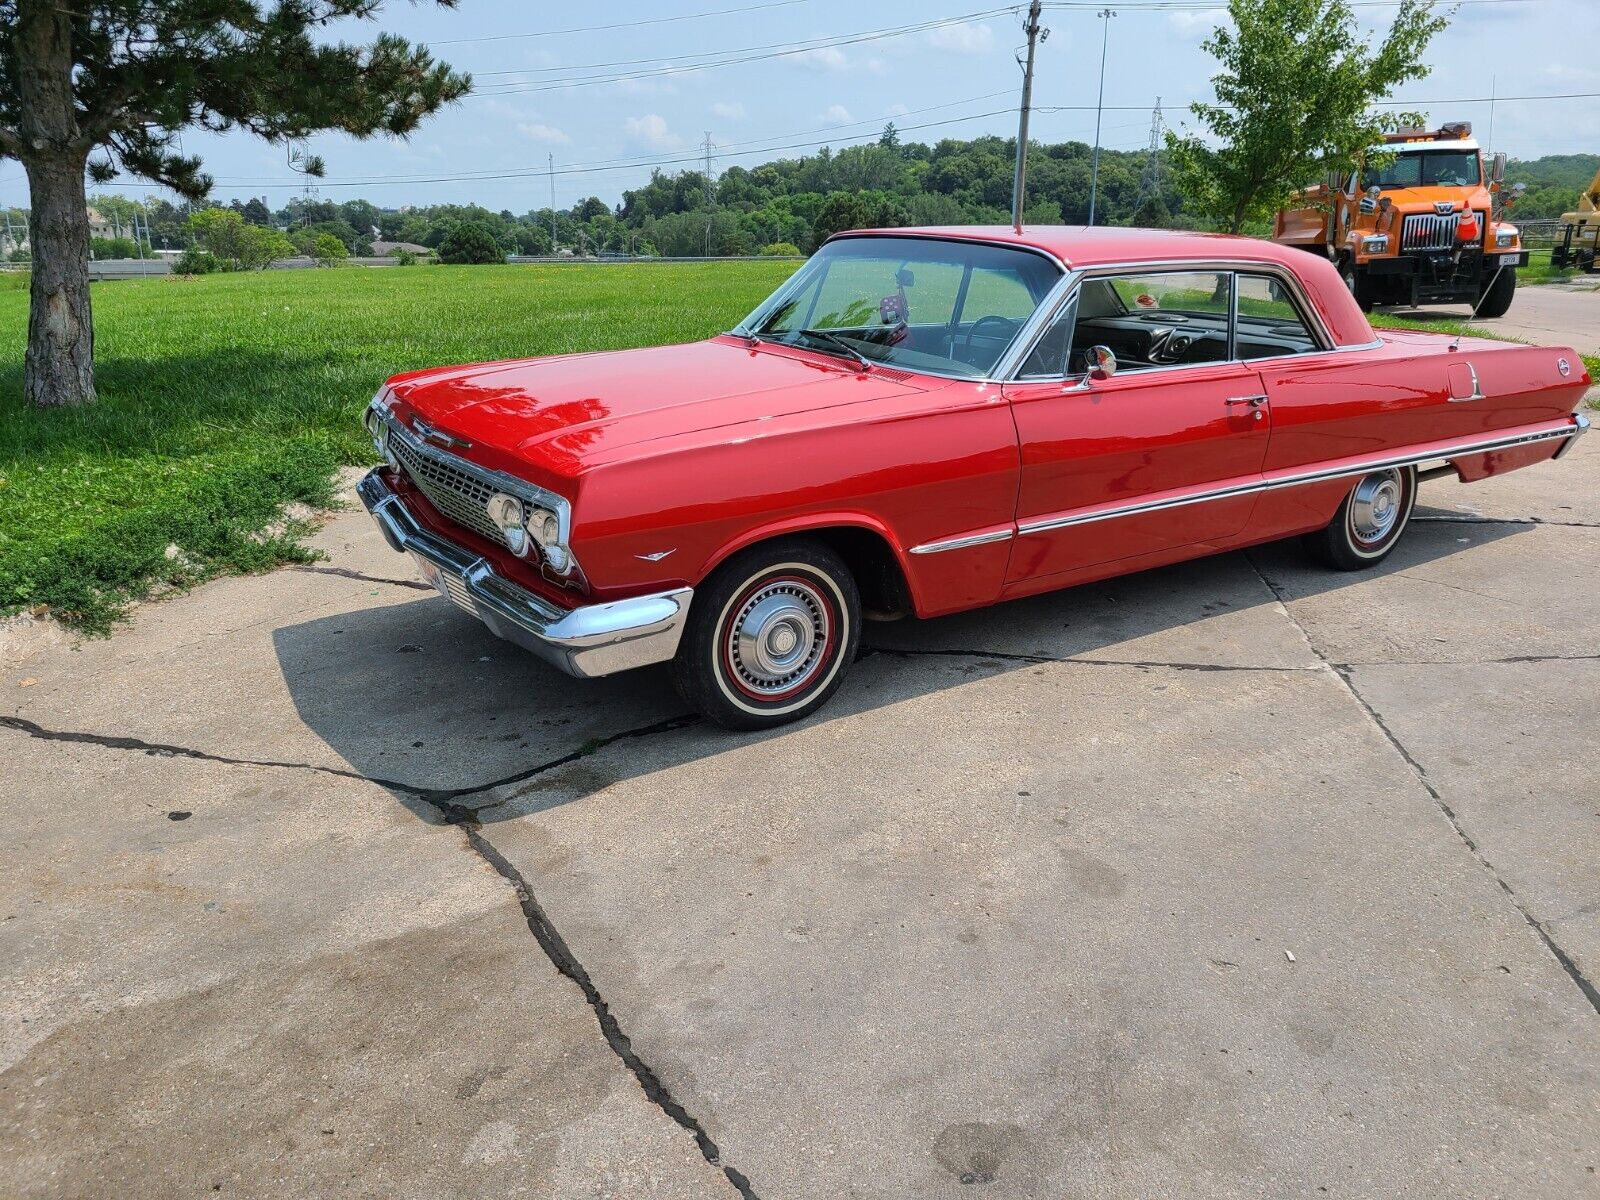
1421	226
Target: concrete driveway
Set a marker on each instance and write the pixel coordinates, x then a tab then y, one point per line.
1561	314
1239	878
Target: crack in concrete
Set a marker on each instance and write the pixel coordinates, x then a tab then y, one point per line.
1043	659
444	801
165	749
347	573
1470	519
1344	673
567	963
1574	972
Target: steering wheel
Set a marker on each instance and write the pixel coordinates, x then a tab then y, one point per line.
1007	325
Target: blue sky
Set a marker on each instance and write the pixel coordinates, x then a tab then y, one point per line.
654	108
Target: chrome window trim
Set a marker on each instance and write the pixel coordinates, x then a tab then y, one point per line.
962	541
1308	312
995	373
1300	478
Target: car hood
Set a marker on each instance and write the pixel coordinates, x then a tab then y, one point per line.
559	413
1422	199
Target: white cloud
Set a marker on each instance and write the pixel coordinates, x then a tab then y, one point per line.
651	130
823	58
728	112
1201	21
896	110
838	114
963	39
543	133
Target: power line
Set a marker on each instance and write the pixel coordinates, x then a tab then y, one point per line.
783	50
699	16
834	130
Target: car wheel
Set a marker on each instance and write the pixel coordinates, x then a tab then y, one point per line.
1356	285
1495	300
770	635
1369	521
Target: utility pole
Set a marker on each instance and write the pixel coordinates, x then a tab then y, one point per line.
1018	179
1094	174
551	159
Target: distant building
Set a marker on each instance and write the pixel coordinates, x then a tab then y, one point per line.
99	227
382	249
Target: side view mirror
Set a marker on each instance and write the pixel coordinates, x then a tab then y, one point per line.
1497	171
1350	184
1102	363
1369	199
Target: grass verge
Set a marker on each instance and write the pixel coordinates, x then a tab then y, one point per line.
224	398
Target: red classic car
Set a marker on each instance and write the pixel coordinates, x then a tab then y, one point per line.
921	421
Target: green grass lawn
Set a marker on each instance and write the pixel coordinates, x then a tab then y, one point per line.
225	397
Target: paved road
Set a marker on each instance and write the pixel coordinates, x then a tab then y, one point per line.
1565	314
1237	878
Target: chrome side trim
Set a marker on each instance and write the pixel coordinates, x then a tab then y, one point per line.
1272	483
963	541
595	639
1581	427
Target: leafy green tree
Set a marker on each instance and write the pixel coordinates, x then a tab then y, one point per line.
1294	97
780	250
328	250
121	79
470	242
258	247
841	210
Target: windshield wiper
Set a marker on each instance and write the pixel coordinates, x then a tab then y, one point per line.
838	342
750	339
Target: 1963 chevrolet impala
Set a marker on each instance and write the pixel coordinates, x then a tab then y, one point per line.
926	420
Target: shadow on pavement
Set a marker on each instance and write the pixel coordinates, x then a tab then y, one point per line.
419	697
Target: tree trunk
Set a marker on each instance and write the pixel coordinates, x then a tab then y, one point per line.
60	363
60	360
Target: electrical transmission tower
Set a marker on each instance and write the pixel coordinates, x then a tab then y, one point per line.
1150	176
308	166
706	148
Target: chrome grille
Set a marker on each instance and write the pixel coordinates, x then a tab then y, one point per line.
456	493
455	588
1428	231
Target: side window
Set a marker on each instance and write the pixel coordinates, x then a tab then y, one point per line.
1270	324
1147	319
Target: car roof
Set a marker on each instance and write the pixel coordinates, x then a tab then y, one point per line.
1080	246
1086	246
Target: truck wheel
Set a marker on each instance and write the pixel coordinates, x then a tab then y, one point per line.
1369	522
1494	300
1358	286
770	635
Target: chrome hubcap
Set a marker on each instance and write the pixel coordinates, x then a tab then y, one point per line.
777	637
1375	506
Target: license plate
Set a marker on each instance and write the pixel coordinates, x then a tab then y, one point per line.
1510	260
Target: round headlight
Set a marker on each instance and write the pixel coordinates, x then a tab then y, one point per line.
544	526
509	518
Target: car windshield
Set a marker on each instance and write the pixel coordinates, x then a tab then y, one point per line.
1431	168
945	307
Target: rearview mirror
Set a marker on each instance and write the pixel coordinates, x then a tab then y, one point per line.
1102	363
1497	170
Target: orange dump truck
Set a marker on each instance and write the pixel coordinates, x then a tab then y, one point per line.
1423	228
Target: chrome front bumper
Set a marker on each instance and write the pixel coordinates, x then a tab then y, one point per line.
597	639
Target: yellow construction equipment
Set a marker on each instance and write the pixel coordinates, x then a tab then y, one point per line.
1578	237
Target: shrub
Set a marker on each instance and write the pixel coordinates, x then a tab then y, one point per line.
780	250
403	257
196	262
470	242
328	250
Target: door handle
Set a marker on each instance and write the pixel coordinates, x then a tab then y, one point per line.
1255	403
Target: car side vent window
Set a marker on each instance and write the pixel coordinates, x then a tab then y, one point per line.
1270	323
